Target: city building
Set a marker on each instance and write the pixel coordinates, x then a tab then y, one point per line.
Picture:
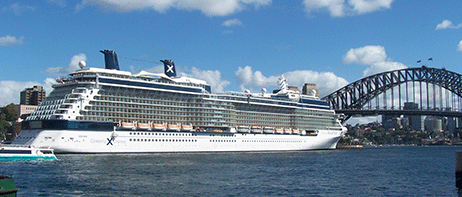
416	122
309	89
30	99
32	96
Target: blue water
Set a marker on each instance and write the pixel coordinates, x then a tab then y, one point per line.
381	171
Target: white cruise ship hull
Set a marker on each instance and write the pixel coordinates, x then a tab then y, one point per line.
72	141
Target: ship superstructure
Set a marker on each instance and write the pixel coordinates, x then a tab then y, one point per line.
109	110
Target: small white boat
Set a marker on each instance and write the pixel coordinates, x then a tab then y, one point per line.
243	129
26	153
256	129
268	130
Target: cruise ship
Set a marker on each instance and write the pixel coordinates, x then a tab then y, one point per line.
96	110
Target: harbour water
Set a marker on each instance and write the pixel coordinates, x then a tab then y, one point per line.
372	171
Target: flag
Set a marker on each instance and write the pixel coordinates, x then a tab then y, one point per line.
419	61
430	58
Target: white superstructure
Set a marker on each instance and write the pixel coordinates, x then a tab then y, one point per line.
107	110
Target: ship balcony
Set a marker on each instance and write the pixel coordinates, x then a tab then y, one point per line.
65	107
61	112
70	101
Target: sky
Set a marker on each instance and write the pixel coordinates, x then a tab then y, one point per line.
233	45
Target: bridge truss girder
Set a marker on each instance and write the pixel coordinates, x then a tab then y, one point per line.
357	94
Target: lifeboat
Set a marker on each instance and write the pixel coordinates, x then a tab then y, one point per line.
287	131
161	127
279	130
268	130
186	127
127	125
173	127
144	126
256	129
218	131
295	131
243	129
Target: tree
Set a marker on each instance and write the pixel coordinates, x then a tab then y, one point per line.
8	115
11	112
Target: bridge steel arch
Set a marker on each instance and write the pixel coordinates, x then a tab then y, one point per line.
357	94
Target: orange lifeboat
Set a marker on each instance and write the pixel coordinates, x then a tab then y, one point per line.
295	131
186	127
173	127
127	125
144	126
279	130
161	127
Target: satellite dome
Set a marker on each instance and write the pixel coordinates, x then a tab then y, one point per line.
82	64
263	90
313	92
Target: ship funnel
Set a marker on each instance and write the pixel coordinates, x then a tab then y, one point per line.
110	58
169	68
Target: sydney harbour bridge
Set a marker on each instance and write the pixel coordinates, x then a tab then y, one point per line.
419	91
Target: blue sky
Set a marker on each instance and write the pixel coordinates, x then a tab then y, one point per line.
232	44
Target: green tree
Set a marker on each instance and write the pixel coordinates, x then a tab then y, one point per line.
11	112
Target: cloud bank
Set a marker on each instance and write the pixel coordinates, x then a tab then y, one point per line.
373	56
208	7
339	8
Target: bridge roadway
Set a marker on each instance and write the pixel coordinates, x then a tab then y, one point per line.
355	112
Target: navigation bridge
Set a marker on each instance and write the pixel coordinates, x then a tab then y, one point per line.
411	91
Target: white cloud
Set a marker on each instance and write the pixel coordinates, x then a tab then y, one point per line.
232	22
459	46
373	56
73	66
339	8
327	82
208	7
17	8
212	77
365	55
11	40
447	24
